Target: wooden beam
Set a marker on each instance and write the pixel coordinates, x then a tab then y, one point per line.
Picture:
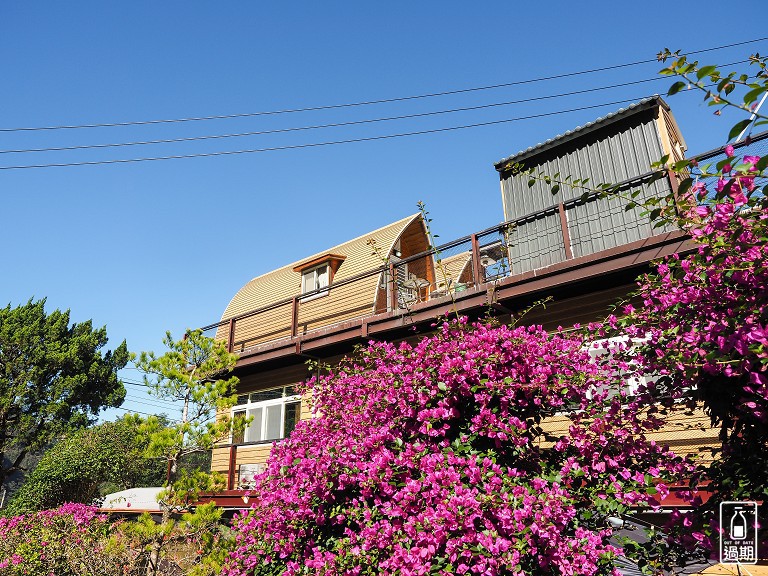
231	336
477	279
295	317
232	467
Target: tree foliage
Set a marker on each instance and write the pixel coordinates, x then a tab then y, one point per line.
86	464
54	378
195	371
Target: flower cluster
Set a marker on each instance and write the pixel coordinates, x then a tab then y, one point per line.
704	324
61	541
705	315
441	458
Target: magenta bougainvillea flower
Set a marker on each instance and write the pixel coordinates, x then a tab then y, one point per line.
435	458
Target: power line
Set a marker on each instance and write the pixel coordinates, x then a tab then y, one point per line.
350	123
370	102
339	124
152	401
138	412
152	404
315	144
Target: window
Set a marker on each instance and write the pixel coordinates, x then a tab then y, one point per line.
315	279
317	274
628	384
273	414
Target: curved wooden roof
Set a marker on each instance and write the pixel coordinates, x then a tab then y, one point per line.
340	303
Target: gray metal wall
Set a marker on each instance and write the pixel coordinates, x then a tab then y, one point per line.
612	154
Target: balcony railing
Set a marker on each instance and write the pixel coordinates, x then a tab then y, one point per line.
561	232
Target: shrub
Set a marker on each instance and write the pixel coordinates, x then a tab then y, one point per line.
434	459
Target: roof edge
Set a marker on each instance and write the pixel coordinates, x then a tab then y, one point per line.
579	131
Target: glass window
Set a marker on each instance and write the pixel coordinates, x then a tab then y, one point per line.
315	279
238	437
273	414
292	411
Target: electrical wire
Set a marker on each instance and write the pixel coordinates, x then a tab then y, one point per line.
339	124
139	412
152	404
350	123
152	401
370	102
317	144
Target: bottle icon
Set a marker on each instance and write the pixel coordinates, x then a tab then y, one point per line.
738	525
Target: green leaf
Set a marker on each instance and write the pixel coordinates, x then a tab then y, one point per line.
754	94
685	185
705	71
675	88
738	128
555	189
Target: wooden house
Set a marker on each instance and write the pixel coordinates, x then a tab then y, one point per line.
583	253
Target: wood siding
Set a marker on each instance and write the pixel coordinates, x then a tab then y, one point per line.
686	433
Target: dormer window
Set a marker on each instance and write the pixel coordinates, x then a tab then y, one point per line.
317	274
315	279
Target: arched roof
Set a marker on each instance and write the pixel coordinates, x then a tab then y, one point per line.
285	282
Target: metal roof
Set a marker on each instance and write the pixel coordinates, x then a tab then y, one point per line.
560	139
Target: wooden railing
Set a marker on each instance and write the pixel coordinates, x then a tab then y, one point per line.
557	233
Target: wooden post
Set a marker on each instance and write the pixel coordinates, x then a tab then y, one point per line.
393	291
231	337
477	278
564	230
232	467
295	317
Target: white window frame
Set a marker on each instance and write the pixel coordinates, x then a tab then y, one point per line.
312	279
249	408
629	385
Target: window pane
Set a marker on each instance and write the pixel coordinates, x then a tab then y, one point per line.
322	277
238	436
253	432
274	427
242	399
292	411
266	395
290	391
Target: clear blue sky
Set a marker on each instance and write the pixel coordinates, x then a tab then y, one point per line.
154	246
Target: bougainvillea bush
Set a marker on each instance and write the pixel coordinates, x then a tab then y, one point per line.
704	321
432	459
72	540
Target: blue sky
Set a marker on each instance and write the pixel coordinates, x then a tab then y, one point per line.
153	246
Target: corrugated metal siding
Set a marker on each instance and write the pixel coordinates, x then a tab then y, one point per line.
620	154
536	242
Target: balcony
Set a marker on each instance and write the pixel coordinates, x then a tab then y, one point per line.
483	271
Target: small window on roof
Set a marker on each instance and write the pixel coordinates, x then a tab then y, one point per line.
317	274
315	279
